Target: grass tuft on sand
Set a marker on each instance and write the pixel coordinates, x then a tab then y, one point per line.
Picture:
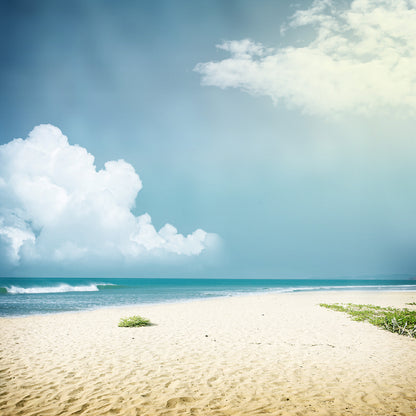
134	321
400	321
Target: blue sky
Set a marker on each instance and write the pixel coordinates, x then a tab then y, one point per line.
284	130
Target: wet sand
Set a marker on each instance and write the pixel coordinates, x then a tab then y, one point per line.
278	354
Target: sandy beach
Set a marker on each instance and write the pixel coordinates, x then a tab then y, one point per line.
278	354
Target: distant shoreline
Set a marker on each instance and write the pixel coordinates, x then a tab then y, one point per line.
29	296
23	297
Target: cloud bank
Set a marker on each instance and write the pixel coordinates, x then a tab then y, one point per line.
55	207
362	60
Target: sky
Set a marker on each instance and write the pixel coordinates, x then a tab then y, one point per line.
223	139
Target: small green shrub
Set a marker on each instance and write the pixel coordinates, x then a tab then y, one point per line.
134	321
400	321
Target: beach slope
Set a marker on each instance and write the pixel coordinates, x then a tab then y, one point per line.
279	354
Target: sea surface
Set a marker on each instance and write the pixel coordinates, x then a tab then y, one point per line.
29	296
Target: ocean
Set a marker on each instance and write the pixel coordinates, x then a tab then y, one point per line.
30	296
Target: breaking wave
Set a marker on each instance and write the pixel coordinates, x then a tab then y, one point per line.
61	288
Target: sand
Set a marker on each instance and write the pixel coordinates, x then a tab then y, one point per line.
278	354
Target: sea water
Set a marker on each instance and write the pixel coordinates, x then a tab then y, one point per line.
28	296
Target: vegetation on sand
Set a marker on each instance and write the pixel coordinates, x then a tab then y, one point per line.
134	321
401	321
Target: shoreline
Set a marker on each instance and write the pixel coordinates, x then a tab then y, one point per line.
249	354
341	289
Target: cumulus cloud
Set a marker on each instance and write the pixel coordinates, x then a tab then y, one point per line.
56	207
361	60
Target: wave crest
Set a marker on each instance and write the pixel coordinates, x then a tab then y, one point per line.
61	288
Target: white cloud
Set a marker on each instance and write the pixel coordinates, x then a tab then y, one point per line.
362	60
56	207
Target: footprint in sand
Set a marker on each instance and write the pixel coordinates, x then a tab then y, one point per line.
171	403
210	381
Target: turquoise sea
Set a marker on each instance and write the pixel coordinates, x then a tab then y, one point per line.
28	296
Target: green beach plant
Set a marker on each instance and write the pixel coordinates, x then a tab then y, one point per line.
134	321
400	321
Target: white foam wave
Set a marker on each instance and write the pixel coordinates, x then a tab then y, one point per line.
17	290
351	287
294	289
